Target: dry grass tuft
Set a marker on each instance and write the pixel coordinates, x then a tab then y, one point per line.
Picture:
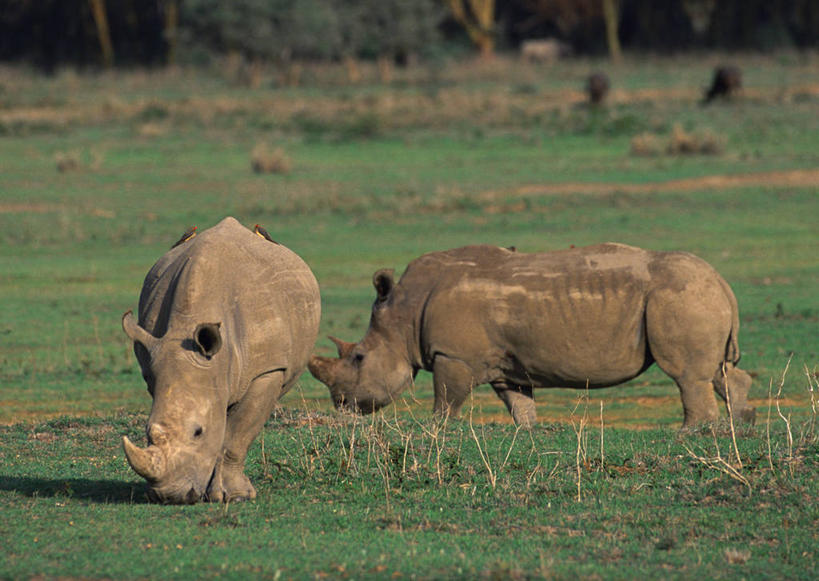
646	145
680	142
737	556
263	160
67	161
152	129
684	143
76	160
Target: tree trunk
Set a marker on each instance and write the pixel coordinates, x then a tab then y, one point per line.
478	20
612	17
171	27
103	32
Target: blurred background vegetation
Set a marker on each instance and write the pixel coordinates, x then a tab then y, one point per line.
104	33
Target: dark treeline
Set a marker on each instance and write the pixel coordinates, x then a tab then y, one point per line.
52	33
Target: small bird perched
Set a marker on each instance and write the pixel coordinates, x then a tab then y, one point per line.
726	82
597	87
189	233
263	233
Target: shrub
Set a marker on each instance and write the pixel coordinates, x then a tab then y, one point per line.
263	160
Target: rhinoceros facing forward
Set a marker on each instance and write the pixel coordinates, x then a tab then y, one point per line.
595	316
227	321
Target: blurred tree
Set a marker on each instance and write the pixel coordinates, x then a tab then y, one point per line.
103	32
170	28
391	31
478	18
611	14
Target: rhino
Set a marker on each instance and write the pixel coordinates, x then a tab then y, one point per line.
580	318
227	322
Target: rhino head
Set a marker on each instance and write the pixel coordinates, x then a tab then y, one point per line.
186	427
370	374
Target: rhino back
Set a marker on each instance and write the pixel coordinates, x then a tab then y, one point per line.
264	295
557	318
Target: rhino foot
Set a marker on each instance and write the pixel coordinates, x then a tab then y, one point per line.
229	485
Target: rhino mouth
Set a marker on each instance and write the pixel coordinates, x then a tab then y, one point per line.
159	496
355	406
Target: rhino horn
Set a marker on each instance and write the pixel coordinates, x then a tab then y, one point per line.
137	333
344	348
149	462
323	369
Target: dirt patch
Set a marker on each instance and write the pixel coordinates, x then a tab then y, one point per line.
29	208
798	178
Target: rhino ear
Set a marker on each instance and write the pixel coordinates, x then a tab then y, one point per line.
208	339
383	282
344	348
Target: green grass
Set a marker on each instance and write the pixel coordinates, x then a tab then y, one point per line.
379	497
381	175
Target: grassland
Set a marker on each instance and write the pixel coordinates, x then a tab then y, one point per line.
100	174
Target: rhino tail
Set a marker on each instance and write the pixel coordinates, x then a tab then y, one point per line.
732	353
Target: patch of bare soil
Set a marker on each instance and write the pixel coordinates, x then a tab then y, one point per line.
28	208
799	178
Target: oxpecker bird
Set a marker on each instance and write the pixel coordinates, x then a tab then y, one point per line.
263	233
189	233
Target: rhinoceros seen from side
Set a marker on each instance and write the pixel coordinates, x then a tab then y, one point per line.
583	317
227	322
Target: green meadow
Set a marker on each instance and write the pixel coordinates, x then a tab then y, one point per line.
100	174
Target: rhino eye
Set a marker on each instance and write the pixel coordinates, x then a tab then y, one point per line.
358	358
197	432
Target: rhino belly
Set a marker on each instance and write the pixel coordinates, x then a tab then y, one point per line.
591	343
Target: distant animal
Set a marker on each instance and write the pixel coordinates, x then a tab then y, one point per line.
227	322
545	50
597	87
582	318
727	81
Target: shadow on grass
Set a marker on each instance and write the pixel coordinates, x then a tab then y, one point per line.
98	491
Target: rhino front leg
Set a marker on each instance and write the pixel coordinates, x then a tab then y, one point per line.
519	401
452	381
245	420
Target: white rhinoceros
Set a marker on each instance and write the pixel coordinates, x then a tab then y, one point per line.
227	322
585	317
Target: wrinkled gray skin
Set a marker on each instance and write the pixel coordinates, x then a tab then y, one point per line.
595	316
227	321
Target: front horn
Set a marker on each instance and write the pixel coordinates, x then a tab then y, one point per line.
137	333
149	463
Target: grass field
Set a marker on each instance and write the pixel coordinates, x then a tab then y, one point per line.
99	175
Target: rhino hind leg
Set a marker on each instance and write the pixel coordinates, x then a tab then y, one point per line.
519	401
699	405
732	385
687	332
452	381
245	420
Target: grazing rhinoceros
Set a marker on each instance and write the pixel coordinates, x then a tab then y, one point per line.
594	316
227	322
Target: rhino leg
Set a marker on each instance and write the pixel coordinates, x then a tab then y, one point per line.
687	331
519	401
452	381
734	384
244	422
